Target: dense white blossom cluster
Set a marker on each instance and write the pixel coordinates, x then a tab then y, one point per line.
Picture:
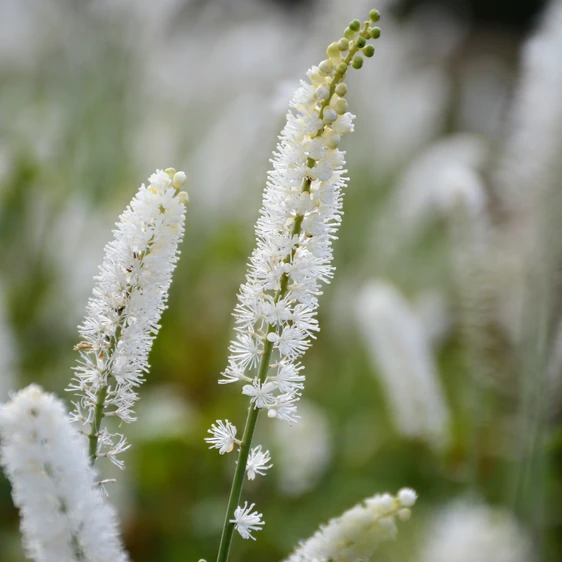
356	534
64	515
300	216
123	314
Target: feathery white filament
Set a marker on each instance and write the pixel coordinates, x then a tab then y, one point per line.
300	216
356	534
64	515
128	301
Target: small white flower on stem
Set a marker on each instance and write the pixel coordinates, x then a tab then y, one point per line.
261	394
245	521
223	437
257	462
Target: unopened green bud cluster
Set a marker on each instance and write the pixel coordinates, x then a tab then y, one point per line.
353	46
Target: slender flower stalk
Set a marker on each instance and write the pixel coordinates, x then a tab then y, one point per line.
300	217
64	515
356	534
123	314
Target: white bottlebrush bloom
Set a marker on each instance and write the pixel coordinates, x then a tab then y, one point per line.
300	216
467	531
356	534
257	462
64	516
401	352
245	521
223	437
123	314
302	452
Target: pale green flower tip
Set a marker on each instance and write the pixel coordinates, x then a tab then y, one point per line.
349	33
357	62
355	25
170	171
404	514
340	106
333	140
375	32
333	50
341	89
343	44
178	178
341	68
374	15
183	198
368	51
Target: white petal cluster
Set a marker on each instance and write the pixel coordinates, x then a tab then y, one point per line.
257	462
245	521
300	216
63	515
469	531
223	437
356	534
128	300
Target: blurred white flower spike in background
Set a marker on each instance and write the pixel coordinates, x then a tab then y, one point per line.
401	353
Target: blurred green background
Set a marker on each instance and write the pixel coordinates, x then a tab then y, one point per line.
97	94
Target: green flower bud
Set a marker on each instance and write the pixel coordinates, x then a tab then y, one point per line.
333	50
349	33
343	44
357	62
376	32
361	41
341	106
374	15
355	25
341	68
368	50
170	171
341	89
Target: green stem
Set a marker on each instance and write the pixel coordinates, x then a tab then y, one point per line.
93	437
252	418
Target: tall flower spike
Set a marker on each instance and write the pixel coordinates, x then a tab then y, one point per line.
300	216
64	516
127	303
299	219
356	534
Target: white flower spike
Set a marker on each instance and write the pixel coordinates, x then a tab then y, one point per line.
245	521
64	516
123	314
356	534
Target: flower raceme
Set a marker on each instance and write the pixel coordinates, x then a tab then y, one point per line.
275	317
356	534
64	516
123	314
